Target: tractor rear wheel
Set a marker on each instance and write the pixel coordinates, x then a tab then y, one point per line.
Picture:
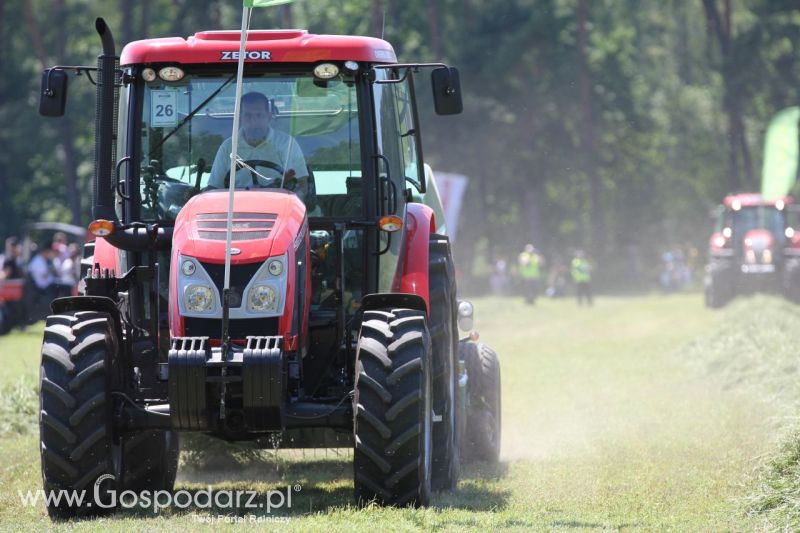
791	279
444	338
483	418
719	285
713	296
393	409
76	435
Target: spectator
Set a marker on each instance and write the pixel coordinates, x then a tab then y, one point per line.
13	312
557	280
67	272
61	246
13	267
581	271
530	269
42	288
499	280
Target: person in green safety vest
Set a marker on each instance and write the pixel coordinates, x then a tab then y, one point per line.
581	271
530	270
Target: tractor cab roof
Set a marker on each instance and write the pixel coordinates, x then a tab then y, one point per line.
737	201
265	46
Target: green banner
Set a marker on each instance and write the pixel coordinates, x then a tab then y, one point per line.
781	152
265	3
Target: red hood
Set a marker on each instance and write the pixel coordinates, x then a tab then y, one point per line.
265	224
758	239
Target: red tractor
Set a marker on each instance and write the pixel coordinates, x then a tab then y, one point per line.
341	314
754	247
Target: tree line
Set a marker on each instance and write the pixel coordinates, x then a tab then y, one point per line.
610	125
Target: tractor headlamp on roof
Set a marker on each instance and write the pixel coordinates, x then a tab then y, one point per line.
350	67
326	71
171	73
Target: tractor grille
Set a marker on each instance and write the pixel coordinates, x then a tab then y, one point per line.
238	329
246	226
240	277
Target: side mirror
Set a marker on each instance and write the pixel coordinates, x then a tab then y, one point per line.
446	91
53	98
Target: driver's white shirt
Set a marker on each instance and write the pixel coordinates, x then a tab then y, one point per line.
278	147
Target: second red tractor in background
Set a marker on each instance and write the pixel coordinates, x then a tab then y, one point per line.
754	247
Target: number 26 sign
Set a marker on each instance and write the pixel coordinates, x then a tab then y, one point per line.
163	108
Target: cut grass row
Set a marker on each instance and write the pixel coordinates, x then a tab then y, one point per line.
756	349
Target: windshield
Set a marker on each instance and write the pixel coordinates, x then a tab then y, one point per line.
760	217
295	132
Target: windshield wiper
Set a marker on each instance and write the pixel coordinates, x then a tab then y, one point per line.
190	115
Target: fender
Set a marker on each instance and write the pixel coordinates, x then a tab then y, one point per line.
91	303
411	276
393	299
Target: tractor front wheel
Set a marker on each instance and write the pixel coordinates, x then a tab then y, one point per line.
393	409
76	438
150	460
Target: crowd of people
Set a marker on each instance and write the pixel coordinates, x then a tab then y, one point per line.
533	276
52	271
678	265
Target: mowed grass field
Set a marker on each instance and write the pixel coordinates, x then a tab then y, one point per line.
608	425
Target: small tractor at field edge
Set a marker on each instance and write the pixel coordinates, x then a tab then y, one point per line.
754	247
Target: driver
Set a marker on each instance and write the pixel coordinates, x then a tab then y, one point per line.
261	142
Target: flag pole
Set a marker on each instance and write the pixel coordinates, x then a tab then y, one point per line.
232	184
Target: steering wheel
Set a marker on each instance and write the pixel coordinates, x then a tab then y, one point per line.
288	182
253	163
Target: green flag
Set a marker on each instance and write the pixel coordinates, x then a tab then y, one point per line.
781	150
265	3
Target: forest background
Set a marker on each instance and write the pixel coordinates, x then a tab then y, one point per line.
614	126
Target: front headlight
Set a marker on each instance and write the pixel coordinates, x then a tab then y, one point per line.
199	298
262	298
275	267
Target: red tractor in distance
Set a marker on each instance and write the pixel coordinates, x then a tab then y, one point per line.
754	247
342	311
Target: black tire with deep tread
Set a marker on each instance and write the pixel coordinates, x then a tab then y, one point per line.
714	297
76	440
719	285
445	466
484	407
392	406
150	460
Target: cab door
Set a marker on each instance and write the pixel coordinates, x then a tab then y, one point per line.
398	160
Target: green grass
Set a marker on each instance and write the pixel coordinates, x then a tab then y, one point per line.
756	350
618	417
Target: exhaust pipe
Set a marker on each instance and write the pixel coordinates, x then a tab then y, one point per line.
104	126
135	239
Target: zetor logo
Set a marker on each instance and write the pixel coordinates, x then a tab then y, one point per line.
255	55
